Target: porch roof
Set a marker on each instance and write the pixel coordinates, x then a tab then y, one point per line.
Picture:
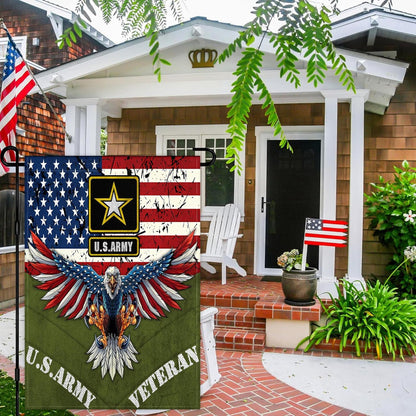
121	76
373	21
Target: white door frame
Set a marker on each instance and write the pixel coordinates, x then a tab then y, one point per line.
263	134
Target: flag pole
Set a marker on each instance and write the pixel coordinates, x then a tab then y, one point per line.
16	163
305	249
304	254
67	135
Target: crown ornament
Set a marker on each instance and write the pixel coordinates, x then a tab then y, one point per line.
203	58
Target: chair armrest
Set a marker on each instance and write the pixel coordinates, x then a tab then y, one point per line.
232	236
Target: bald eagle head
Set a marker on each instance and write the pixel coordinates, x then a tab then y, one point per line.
112	281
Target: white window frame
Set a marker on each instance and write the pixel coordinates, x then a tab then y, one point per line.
199	133
20	41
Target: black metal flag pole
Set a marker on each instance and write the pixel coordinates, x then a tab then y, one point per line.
16	163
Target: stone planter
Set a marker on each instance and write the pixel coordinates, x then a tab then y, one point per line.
299	286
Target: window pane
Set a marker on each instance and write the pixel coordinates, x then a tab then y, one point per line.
180	152
190	144
219	184
171	144
8	217
181	143
171	152
210	143
220	143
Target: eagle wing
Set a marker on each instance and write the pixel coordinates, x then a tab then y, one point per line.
70	286
154	287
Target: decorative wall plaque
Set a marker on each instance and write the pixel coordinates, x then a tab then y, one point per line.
203	58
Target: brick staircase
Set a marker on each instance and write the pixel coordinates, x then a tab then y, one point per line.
236	327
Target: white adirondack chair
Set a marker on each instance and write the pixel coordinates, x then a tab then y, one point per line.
222	237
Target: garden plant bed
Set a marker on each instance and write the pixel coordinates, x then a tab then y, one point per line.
332	348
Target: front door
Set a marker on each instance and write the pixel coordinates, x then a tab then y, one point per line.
288	192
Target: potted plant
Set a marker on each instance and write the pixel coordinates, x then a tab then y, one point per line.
299	286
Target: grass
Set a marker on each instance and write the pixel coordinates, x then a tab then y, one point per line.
8	400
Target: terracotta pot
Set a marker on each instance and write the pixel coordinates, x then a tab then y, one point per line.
299	286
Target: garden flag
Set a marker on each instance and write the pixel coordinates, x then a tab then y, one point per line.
112	286
325	232
17	83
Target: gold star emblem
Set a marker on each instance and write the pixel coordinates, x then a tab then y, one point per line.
113	205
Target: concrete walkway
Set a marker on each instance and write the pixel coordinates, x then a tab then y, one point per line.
377	388
280	384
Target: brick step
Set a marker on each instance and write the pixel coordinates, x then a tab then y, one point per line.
229	300
239	319
239	340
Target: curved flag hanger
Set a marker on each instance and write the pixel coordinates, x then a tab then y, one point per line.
206	149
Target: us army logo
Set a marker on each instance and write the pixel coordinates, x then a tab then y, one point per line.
114	208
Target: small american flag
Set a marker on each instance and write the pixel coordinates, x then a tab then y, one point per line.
17	83
320	232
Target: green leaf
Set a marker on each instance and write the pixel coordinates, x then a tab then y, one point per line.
73	37
78	30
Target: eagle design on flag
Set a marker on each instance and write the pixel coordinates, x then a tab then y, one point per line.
112	302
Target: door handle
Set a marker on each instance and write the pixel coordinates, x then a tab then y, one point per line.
263	203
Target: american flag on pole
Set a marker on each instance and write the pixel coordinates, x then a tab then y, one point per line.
112	310
319	232
17	83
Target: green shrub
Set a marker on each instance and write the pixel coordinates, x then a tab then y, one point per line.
376	317
8	400
392	209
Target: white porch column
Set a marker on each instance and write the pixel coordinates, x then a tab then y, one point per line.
356	210
327	279
83	123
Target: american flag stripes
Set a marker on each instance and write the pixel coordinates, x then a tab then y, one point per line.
319	232
17	83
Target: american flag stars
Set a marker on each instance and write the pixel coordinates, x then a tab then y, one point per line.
57	195
313	224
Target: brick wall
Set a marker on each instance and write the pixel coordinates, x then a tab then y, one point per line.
134	133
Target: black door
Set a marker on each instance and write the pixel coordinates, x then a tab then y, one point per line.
292	194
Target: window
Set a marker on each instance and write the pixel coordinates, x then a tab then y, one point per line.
8	219
20	42
219	186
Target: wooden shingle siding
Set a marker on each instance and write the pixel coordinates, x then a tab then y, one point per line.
389	140
44	134
8	276
24	20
